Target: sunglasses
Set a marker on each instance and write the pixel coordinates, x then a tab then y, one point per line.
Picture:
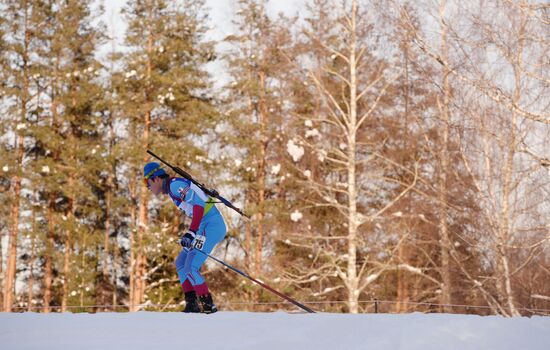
146	182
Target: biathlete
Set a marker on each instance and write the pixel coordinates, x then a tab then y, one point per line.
207	229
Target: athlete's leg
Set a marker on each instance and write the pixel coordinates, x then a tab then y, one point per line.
214	230
180	269
191	302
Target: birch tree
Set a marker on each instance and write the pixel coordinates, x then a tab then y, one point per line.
509	124
497	57
352	84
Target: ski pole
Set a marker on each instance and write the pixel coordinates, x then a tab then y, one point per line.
210	192
303	307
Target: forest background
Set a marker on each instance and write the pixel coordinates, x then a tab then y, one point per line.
392	155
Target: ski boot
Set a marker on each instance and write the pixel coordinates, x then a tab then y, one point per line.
191	303
208	306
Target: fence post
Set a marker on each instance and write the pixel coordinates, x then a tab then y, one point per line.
375	306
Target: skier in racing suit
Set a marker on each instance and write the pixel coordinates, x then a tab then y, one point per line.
207	228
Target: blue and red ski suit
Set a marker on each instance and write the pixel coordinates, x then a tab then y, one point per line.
206	220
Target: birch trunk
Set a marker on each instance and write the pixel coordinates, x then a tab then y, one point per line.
261	174
504	280
352	277
402	276
444	240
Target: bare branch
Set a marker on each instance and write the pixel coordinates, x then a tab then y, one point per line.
368	113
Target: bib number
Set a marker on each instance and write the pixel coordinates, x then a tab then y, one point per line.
199	242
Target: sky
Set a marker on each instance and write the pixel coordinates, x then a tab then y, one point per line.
221	13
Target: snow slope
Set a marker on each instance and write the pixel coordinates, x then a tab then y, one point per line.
266	331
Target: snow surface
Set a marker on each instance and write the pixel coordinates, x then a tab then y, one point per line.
267	331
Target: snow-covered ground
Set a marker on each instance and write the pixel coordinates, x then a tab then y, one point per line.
266	331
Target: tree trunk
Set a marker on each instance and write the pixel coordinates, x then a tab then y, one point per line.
66	270
68	242
48	255
82	265
261	175
132	291
352	277
50	241
444	240
143	221
105	272
71	195
504	280
1	273
9	282
111	179
247	245
30	284
108	223
107	232
114	277
143	218
402	285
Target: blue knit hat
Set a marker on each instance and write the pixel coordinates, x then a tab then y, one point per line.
152	169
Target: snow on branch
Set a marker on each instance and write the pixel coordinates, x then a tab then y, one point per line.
294	150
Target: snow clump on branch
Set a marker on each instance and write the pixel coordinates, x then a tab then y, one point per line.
296	216
294	150
275	169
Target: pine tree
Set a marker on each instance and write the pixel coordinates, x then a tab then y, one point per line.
257	63
24	21
4	154
80	97
164	93
66	145
114	206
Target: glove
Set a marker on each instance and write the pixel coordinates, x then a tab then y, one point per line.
187	239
